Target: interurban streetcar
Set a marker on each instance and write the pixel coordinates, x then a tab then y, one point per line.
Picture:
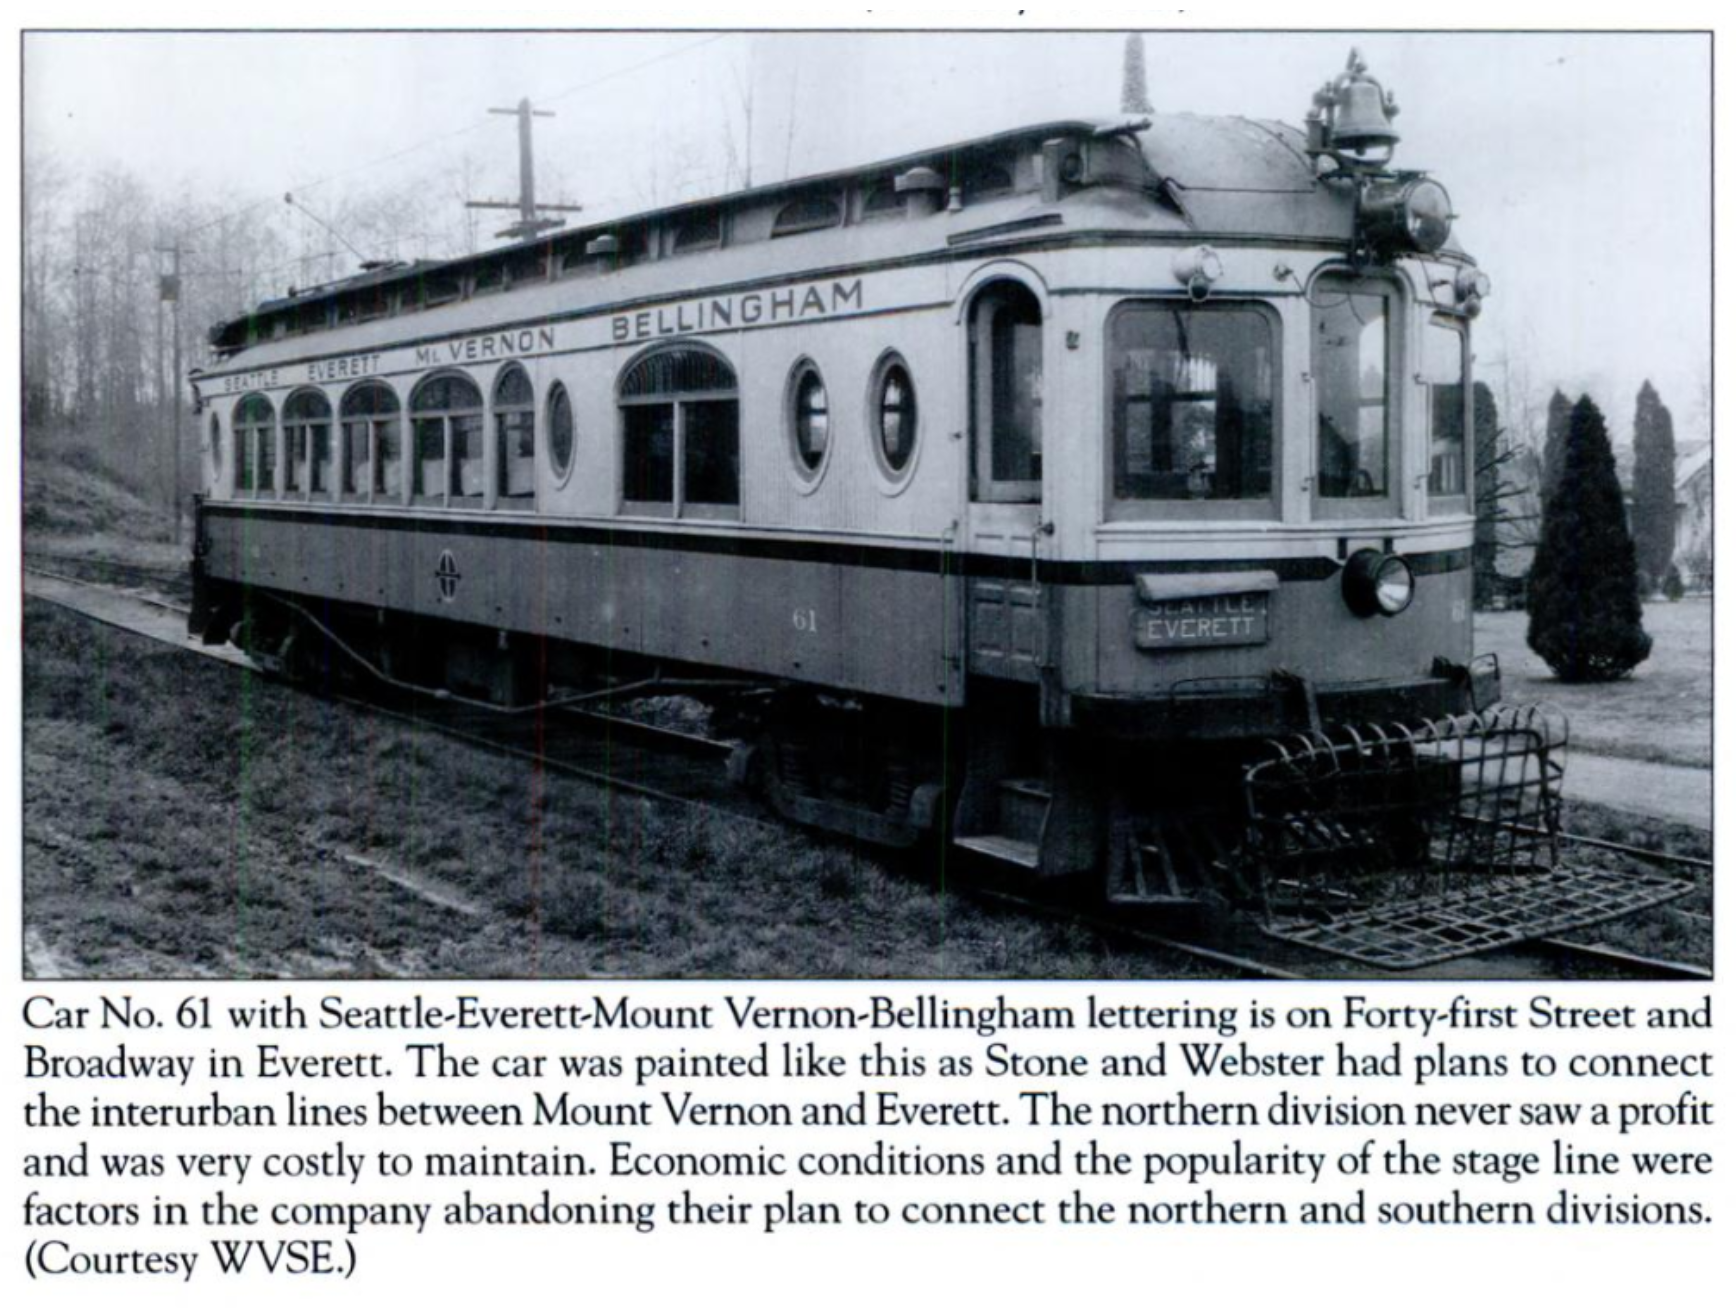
1012	492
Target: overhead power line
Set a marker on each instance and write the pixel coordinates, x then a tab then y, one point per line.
412	149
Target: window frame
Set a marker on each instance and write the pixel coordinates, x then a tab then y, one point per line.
1390	503
1263	508
682	230
374	490
788	222
986	177
893	479
875	207
446	417
305	426
253	437
807	477
680	404
494	433
1453	503
561	473
991	296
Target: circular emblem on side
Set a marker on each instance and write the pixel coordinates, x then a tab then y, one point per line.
447	574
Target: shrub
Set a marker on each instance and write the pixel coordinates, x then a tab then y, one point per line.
1584	594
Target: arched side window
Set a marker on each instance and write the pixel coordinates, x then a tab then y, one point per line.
515	435
307	437
561	431
680	443
373	460
446	418
807	213
255	444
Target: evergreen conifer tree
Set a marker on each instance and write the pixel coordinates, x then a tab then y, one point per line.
1654	515
1583	595
1555	441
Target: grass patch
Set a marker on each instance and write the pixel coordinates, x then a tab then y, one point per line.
187	818
1663	712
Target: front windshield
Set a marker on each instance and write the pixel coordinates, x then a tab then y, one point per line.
1192	402
1351	353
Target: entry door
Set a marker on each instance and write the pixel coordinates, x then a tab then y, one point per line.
1008	627
1006	343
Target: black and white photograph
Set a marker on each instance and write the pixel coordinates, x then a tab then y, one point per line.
943	505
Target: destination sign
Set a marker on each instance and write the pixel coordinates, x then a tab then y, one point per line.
708	314
252	381
1232	621
488	346
792	304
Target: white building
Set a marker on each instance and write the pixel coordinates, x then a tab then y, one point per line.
1694	515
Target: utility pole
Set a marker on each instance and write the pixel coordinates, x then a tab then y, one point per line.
162	396
169	289
529	223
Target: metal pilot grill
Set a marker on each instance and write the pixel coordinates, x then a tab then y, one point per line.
1404	846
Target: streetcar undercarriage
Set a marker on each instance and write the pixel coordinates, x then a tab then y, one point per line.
1397	844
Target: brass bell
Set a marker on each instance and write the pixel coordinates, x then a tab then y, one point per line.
1360	119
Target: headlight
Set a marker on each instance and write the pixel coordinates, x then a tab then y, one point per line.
1470	286
1415	215
1377	584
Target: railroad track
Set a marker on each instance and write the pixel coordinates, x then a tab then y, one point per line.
173	582
677	767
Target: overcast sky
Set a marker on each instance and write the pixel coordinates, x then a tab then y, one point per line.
1579	165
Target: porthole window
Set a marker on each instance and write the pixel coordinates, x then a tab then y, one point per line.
894	417
810	420
515	435
560	431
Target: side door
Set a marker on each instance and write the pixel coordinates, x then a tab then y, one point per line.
1008	629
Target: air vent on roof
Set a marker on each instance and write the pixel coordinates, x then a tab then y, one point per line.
923	189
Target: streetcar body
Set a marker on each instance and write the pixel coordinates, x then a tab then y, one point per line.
1083	449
